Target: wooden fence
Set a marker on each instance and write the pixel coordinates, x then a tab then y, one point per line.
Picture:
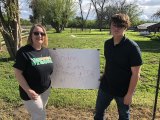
24	34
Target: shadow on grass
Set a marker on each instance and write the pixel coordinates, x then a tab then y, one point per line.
92	34
149	46
5	59
52	32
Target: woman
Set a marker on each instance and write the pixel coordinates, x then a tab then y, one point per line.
122	70
33	67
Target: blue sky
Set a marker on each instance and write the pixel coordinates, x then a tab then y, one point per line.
148	6
24	9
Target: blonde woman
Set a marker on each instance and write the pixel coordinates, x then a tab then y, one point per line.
33	67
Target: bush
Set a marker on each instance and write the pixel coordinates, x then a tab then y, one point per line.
155	37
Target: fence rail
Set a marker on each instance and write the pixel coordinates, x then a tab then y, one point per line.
24	34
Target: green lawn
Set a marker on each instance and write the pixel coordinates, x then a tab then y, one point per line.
144	95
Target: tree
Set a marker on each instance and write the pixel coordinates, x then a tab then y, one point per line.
99	6
38	10
157	14
54	12
10	25
132	9
57	9
61	11
106	8
83	21
68	12
129	8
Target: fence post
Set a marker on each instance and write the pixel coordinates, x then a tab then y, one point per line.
156	95
0	46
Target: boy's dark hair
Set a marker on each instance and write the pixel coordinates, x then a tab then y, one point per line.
121	20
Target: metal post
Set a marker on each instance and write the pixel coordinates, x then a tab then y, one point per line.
156	95
43	20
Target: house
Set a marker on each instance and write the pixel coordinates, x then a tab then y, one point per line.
143	28
154	28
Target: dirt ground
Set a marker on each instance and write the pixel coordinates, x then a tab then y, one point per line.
77	114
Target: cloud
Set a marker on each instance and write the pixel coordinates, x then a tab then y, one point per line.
149	7
149	2
144	17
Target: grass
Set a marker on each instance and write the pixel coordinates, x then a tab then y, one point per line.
144	95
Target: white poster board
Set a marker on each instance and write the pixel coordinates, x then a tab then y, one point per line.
75	68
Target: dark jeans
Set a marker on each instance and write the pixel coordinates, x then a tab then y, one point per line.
103	101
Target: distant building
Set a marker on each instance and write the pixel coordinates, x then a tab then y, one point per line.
143	28
154	28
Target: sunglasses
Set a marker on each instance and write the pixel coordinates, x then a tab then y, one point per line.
39	33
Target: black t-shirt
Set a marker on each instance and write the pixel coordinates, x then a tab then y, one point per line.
37	67
119	60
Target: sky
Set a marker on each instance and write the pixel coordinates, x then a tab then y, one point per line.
149	7
25	11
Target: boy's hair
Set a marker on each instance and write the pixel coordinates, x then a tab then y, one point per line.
121	20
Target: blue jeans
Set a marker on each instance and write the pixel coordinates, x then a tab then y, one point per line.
103	101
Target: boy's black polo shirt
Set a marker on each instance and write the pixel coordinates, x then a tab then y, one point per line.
119	60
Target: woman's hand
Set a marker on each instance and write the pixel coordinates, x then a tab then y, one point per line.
32	94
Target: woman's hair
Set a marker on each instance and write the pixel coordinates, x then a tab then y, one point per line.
29	41
121	20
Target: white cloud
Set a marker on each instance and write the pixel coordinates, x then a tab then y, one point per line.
149	2
149	11
149	7
144	17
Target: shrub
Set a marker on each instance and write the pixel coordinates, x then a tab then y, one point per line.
155	37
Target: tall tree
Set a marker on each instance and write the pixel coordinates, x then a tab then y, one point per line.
68	12
61	11
54	12
130	8
99	6
83	20
157	14
106	8
38	10
10	25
